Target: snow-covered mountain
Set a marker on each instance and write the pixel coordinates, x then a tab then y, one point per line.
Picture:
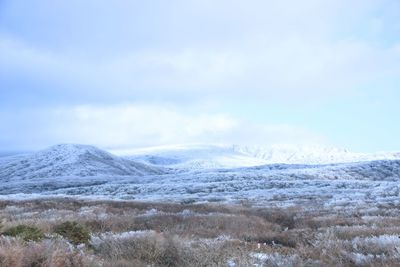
71	160
192	156
205	173
234	156
311	154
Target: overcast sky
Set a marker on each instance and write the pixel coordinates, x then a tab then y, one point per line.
140	73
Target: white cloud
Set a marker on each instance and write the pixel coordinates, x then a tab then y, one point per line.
129	125
260	60
258	49
256	69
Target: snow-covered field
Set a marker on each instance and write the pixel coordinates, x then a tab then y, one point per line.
317	208
307	176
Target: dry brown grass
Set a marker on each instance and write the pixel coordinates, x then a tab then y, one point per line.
172	234
50	253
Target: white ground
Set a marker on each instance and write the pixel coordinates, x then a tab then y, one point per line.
202	173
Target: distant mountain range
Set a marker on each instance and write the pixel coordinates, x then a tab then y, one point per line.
233	156
277	175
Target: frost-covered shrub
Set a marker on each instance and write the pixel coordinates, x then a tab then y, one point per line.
46	253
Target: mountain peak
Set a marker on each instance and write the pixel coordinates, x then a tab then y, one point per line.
72	148
310	154
73	160
228	156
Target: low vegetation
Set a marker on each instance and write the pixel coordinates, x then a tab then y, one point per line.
66	232
74	232
25	232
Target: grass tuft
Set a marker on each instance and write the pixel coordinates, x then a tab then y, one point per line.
25	232
75	232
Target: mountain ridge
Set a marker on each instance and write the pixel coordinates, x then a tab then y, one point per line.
86	171
71	160
232	156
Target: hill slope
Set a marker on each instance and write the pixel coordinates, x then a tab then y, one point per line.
193	157
71	160
85	171
219	156
311	154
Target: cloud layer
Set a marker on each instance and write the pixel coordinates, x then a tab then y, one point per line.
131	125
199	71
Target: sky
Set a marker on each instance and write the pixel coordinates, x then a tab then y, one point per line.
119	74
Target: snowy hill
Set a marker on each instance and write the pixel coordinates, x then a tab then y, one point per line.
70	160
205	173
368	184
315	154
233	156
193	156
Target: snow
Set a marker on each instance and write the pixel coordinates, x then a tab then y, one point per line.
70	160
275	259
311	154
192	156
233	156
382	240
197	173
97	240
